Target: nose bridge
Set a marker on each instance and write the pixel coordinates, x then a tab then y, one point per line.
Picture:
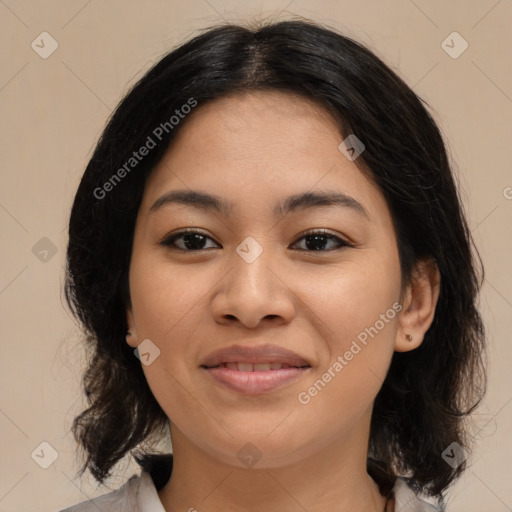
253	289
251	274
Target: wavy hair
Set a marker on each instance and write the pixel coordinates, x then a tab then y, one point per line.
428	392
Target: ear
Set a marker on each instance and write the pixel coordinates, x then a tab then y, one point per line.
131	335
418	306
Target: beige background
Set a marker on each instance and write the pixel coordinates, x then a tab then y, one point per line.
53	111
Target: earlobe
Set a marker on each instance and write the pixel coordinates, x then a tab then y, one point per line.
131	334
419	305
131	339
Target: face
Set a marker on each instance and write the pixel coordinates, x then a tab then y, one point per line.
268	259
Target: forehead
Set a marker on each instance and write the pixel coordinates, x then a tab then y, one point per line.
257	118
260	145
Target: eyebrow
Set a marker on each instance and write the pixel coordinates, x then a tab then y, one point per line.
292	203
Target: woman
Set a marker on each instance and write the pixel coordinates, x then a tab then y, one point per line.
268	253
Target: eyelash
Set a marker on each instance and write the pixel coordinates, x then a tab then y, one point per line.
169	241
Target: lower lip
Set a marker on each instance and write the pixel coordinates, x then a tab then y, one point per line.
257	382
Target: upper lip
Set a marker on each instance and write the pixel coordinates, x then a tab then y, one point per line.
255	354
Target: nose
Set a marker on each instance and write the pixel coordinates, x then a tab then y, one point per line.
255	293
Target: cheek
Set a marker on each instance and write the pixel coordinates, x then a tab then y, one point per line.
355	315
351	297
163	297
355	307
167	310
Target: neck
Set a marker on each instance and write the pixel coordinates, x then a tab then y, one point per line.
333	478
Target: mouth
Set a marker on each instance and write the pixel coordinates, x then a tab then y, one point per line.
255	367
254	370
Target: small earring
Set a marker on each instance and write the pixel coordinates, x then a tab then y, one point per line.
408	337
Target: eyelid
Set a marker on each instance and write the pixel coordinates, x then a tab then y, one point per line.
343	242
168	239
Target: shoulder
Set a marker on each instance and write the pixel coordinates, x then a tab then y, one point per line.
407	500
138	494
128	498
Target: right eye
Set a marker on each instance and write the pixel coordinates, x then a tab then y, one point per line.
188	240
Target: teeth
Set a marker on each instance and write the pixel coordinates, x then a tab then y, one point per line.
262	367
249	367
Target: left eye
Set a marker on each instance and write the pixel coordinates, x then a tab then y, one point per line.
318	240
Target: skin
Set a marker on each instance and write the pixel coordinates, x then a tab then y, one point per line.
254	150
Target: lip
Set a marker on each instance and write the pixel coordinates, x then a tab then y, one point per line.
254	354
257	381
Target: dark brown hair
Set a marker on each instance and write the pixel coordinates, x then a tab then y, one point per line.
421	407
